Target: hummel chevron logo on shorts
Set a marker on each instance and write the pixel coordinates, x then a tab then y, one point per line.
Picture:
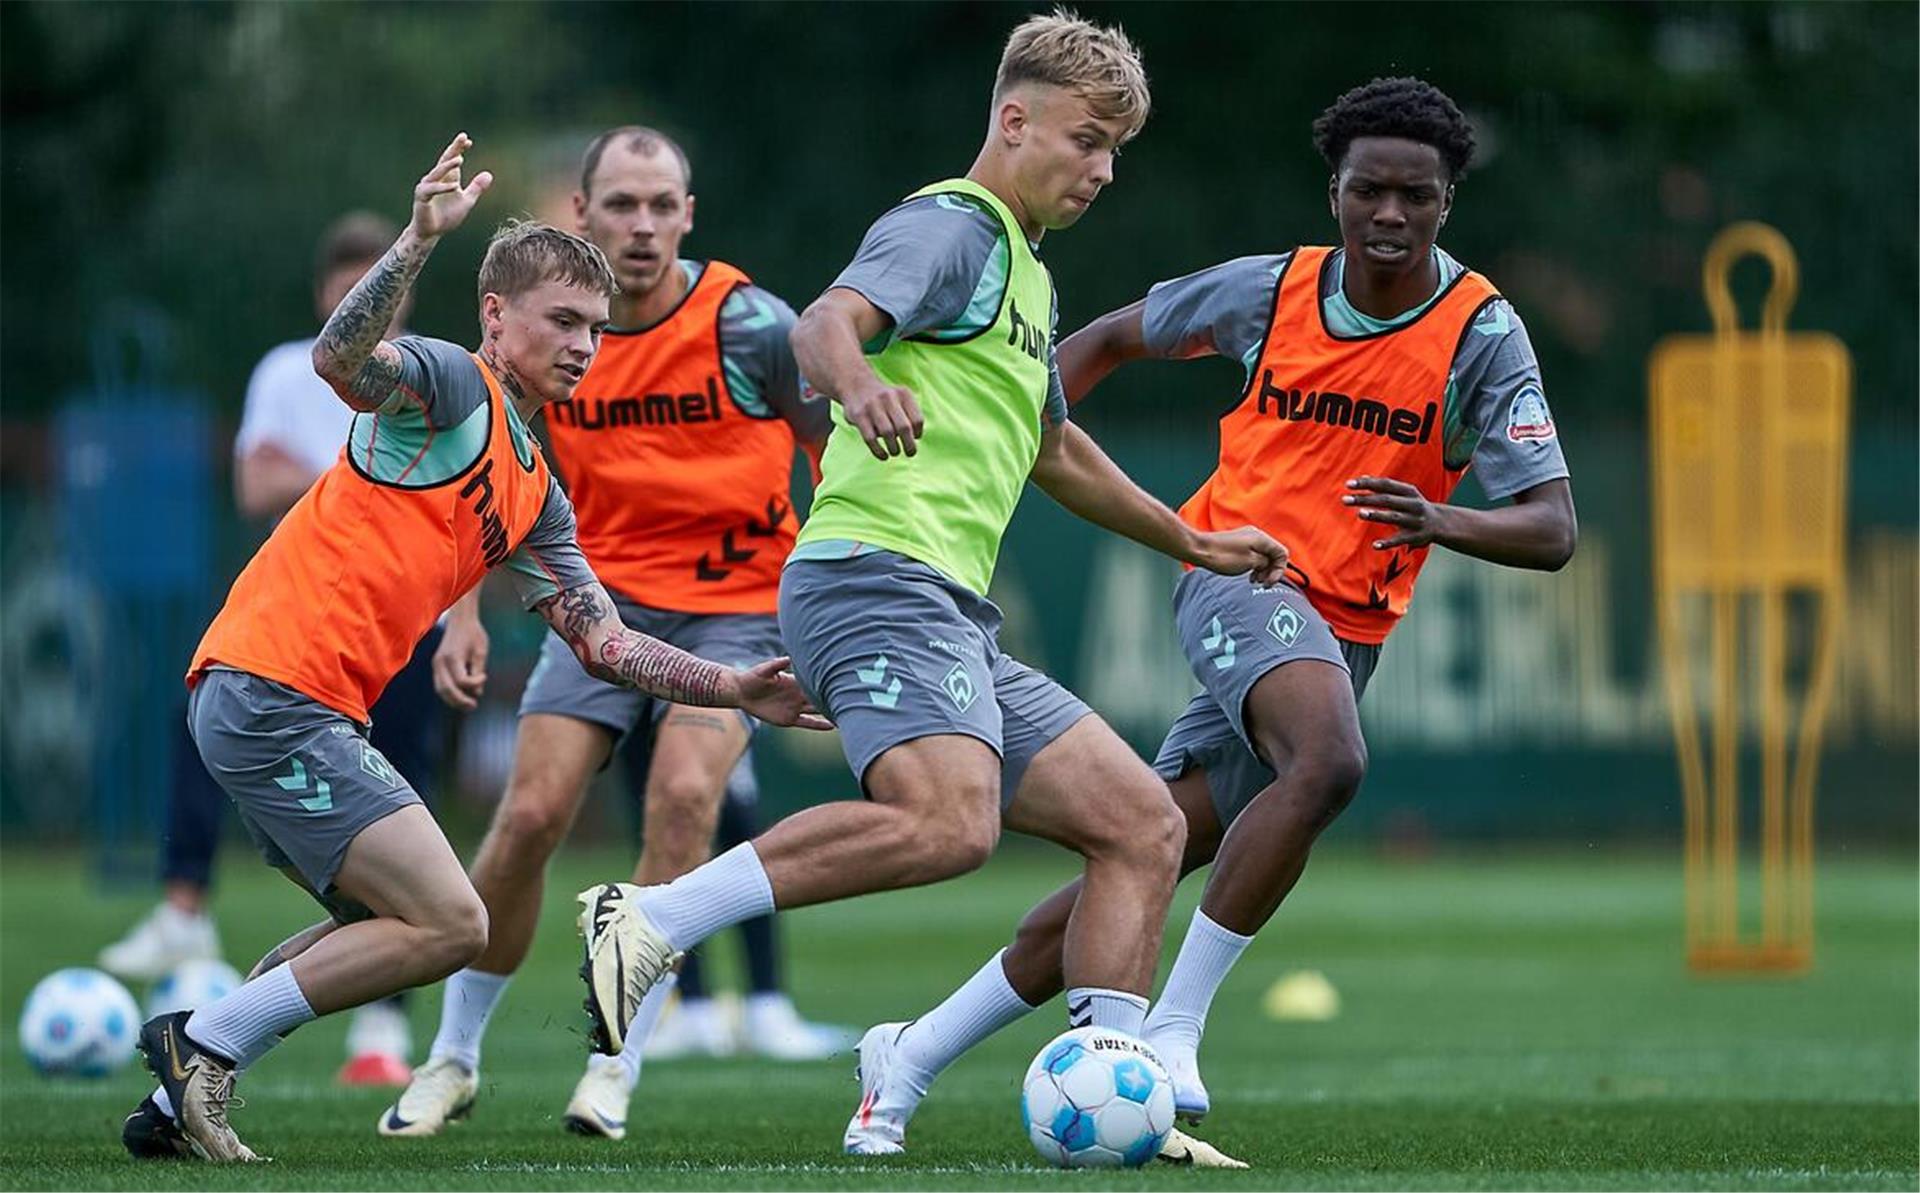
876	675
1212	642
296	780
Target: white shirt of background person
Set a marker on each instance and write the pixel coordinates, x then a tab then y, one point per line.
294	424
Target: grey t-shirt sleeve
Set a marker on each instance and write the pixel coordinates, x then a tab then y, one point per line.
926	265
1498	377
548	560
761	373
1054	413
1223	310
438	380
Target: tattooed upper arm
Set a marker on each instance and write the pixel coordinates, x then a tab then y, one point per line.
349	353
376	381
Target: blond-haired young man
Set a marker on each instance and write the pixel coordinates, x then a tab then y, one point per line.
440	482
936	345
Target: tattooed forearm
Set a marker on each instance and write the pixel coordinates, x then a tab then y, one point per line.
580	610
349	354
636	661
584	618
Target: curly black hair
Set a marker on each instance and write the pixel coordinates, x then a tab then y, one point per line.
1400	107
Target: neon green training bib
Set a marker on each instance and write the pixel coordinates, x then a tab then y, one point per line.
983	398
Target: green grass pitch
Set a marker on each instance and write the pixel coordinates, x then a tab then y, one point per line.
1510	1020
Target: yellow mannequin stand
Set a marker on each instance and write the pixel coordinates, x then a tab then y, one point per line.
1749	436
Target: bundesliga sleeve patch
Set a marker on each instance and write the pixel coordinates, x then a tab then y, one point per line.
1528	417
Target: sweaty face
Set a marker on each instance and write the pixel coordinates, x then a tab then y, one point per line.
637	211
546	337
1064	155
1390	196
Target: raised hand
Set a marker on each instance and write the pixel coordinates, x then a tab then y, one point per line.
440	203
1243	549
769	691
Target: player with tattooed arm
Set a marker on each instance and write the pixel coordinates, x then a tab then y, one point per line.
676	449
440	481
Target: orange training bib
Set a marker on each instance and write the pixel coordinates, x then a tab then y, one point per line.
358	571
683	499
1320	410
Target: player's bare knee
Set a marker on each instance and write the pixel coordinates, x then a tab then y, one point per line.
1165	833
943	847
974	844
532	821
1138	825
684	806
1332	772
459	934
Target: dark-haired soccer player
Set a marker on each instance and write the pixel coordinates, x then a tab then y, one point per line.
1377	373
439	482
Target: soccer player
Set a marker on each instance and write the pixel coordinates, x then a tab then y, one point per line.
440	481
1377	373
936	344
677	448
290	433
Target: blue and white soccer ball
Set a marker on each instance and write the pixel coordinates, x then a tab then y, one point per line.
1096	1098
79	1023
191	985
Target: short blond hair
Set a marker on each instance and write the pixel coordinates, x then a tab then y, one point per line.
523	254
1096	62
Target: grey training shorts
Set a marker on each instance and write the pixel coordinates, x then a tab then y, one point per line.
1233	634
892	650
304	778
560	685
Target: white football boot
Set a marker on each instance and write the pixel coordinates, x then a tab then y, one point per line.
625	955
599	1105
1182	1062
1183	1149
165	938
890	1091
441	1092
772	1028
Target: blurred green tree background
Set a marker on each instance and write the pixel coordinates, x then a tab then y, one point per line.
186	156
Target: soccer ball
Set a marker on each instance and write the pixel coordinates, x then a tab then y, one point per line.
79	1022
191	985
1096	1098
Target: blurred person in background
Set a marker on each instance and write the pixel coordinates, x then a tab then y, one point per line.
291	432
1378	372
677	449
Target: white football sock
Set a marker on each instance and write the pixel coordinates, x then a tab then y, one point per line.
1115	1010
730	888
465	1007
1206	956
632	1049
243	1024
983	1005
165	1103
